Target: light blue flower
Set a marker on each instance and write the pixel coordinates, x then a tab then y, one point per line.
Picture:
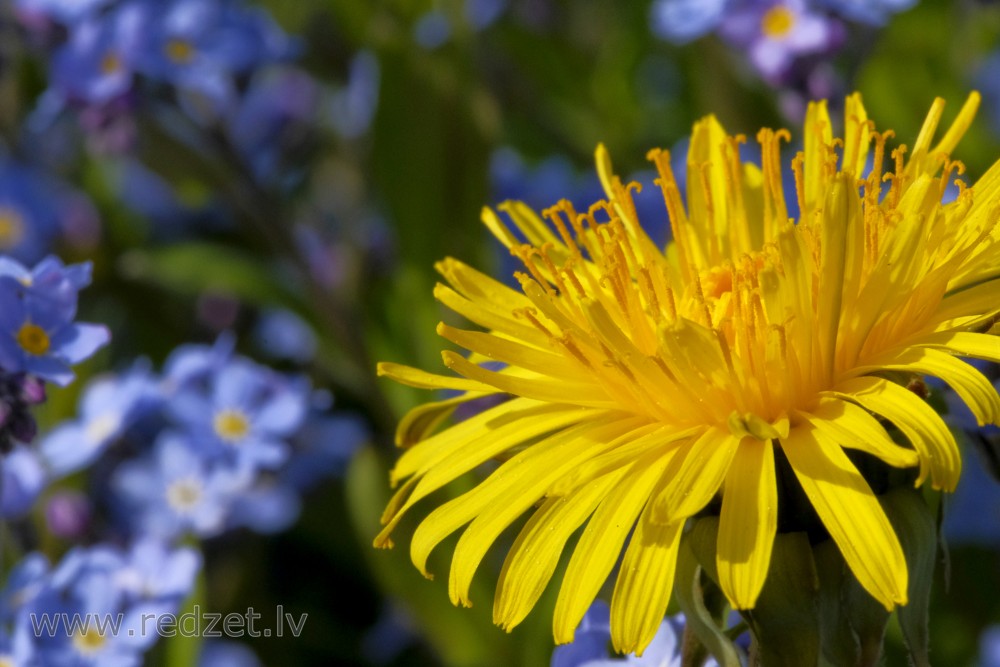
32	208
681	21
776	32
590	644
482	14
23	480
432	30
193	365
97	63
107	407
281	334
200	45
244	415
875	12
352	108
173	492
64	11
37	331
272	120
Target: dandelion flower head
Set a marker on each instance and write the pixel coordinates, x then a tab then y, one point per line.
644	381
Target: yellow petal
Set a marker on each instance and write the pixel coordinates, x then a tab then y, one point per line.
971	386
504	496
748	523
696	476
536	551
414	377
850	512
601	543
540	388
645	582
967	343
921	424
854	428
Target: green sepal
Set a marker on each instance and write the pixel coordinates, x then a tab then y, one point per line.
915	526
690	593
786	619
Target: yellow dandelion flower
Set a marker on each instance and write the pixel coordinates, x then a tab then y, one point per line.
644	382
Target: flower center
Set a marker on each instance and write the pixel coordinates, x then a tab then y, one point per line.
231	425
180	51
89	641
777	22
11	228
111	63
7	661
184	494
33	339
102	427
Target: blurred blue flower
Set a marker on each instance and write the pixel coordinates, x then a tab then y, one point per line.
32	209
201	45
106	586
37	331
220	653
432	30
681	21
776	32
590	644
272	118
244	415
107	407
987	80
65	11
483	13
97	62
23	479
194	364
875	12
989	647
352	108
323	447
281	334
173	492
268	507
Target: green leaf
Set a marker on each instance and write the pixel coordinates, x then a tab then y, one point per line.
915	527
198	267
690	594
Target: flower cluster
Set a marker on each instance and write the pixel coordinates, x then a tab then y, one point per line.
778	35
214	443
89	608
203	49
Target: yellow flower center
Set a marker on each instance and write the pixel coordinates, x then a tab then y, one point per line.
7	661
184	494
89	641
11	228
180	51
33	339
231	425
110	63
777	22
